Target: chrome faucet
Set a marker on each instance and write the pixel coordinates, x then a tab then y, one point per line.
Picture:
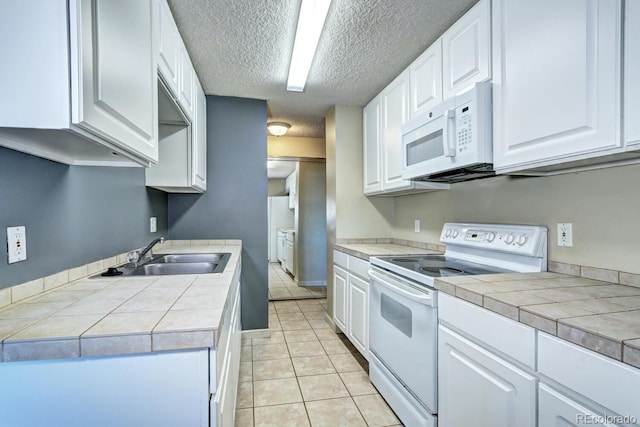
135	256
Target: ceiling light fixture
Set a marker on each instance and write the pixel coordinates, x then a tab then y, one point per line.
278	128
310	23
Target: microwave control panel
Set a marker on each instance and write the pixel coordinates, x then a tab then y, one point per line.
464	127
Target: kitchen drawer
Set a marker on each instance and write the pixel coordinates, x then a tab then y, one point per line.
341	259
605	381
359	267
512	339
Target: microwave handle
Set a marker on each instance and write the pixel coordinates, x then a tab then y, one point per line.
449	137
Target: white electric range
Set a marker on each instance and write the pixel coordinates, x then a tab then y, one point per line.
403	314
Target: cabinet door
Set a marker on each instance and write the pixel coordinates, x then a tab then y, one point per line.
395	112
371	136
466	51
358	314
168	46
340	297
556	409
187	83
631	72
199	154
556	91
426	80
477	388
113	73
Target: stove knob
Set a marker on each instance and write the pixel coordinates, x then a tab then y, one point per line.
455	233
522	239
509	239
490	237
447	233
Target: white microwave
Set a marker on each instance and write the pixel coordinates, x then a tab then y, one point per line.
453	141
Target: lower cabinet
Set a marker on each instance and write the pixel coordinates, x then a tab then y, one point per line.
557	409
476	387
351	299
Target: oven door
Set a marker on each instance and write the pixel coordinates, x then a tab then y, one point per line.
403	322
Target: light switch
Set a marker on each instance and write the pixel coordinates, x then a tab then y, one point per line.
16	244
153	224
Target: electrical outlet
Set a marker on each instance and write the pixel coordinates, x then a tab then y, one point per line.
153	224
416	225
16	244
565	234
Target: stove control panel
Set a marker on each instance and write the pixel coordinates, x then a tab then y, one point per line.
517	239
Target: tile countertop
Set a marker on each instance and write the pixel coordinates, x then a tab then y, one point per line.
367	250
120	315
601	316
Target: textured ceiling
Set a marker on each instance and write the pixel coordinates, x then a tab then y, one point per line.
280	168
242	48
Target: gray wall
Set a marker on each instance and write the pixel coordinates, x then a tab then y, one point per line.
74	214
235	203
311	229
277	187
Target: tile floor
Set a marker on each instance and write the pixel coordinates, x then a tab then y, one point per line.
304	374
283	287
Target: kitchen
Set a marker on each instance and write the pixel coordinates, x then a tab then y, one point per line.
77	215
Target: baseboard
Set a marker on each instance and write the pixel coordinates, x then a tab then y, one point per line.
256	333
313	283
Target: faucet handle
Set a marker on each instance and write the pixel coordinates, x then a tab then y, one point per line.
133	256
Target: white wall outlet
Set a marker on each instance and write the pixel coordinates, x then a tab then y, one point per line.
16	244
565	234
416	225
153	224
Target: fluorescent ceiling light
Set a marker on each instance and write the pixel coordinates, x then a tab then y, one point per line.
310	23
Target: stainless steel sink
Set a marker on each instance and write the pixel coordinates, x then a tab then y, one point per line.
178	268
182	258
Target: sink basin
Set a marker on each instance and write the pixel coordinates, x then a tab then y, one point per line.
152	269
180	258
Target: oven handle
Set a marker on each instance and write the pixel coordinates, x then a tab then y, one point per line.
424	299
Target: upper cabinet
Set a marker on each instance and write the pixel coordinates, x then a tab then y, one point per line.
169	46
466	51
631	72
426	80
557	82
371	146
81	88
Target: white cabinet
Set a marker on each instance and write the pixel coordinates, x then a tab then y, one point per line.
340	297
556	81
383	118
199	158
466	51
476	387
290	253
187	82
631	72
169	43
351	299
426	80
371	146
81	85
291	185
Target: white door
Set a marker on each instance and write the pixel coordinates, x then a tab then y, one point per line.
556	77
631	72
371	116
426	80
199	142
358	312
168	45
556	409
466	51
187	82
477	388
114	74
340	295
395	112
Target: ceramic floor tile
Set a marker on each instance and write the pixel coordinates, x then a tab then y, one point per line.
291	415
358	383
348	362
300	335
245	395
287	317
313	365
334	413
336	347
319	387
246	372
244	417
307	348
276	337
375	410
291	325
246	354
270	351
327	334
315	315
276	392
272	369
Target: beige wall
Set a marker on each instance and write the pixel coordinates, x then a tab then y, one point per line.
603	205
288	146
276	186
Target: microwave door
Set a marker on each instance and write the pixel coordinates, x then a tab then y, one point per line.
424	148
